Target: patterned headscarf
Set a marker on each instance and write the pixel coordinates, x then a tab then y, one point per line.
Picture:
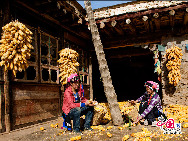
152	85
73	78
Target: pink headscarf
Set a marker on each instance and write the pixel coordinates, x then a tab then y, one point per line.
72	76
152	85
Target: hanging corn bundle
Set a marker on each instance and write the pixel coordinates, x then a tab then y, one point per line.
15	46
67	63
174	56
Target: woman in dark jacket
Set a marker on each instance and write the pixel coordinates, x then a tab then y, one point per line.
150	103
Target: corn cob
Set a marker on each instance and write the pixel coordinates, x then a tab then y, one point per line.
126	137
76	138
178	112
174	56
109	127
15	46
67	63
42	128
144	133
109	135
185	125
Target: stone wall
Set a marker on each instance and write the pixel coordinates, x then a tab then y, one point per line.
178	94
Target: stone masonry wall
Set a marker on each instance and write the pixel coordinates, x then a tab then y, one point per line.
178	94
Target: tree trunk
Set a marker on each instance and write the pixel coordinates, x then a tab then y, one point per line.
90	79
103	67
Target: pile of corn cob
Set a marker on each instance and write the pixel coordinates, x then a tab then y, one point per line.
15	46
67	63
125	108
178	112
174	56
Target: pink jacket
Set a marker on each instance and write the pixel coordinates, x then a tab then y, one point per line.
68	100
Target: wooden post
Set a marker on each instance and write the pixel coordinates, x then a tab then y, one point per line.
7	101
2	103
90	79
6	19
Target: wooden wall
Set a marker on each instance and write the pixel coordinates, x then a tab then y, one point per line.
31	103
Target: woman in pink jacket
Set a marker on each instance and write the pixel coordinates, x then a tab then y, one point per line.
75	105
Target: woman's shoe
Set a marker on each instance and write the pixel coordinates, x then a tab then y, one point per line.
77	132
146	122
88	129
154	124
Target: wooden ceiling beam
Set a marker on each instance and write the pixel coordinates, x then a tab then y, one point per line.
151	26
185	19
132	40
171	20
132	28
146	24
119	30
107	32
157	22
68	7
116	28
47	17
119	56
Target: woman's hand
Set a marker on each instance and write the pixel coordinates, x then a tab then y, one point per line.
89	103
138	119
134	102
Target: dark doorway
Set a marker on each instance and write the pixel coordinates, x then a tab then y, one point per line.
130	68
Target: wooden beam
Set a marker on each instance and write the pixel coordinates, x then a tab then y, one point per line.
171	20
117	28
128	55
146	24
51	19
151	26
157	23
185	19
105	31
130	40
68	8
132	28
72	38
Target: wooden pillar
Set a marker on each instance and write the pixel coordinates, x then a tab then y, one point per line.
2	99
90	79
7	101
60	47
6	19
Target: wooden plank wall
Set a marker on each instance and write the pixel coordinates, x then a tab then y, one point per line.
31	103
